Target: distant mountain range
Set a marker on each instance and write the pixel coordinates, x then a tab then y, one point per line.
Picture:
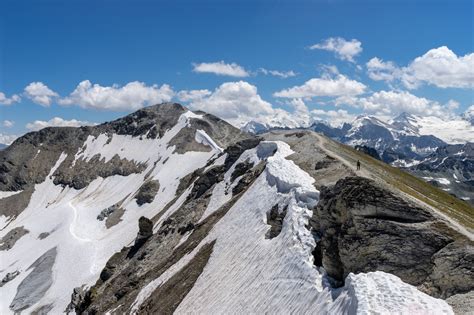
415	143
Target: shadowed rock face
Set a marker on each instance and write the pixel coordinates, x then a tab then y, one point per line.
365	228
35	285
28	160
83	173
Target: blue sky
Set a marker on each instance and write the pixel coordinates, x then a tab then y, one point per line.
63	43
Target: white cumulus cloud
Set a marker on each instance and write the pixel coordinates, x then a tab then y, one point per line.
131	96
221	68
344	49
277	73
7	139
380	70
56	122
40	93
192	95
236	102
333	117
387	104
338	85
4	100
8	123
440	67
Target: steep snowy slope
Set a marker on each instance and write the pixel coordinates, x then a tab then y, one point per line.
58	242
251	252
172	211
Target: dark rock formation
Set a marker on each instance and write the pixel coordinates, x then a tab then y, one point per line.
206	181
77	297
29	159
145	231
275	219
84	172
234	151
147	192
365	228
9	240
13	205
185	140
453	270
43	235
106	212
240	169
9	277
152	121
145	228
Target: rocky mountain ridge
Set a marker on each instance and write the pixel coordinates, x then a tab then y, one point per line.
405	142
168	210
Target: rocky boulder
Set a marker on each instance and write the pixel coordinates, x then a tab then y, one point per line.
362	227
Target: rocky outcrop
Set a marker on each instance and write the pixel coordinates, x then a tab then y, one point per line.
240	169
362	227
169	295
147	192
206	181
150	122
234	151
9	277
82	173
106	212
453	270
77	297
275	219
9	240
29	159
145	231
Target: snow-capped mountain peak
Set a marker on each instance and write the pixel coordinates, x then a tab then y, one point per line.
405	123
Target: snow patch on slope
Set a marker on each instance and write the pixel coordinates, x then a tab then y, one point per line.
203	138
